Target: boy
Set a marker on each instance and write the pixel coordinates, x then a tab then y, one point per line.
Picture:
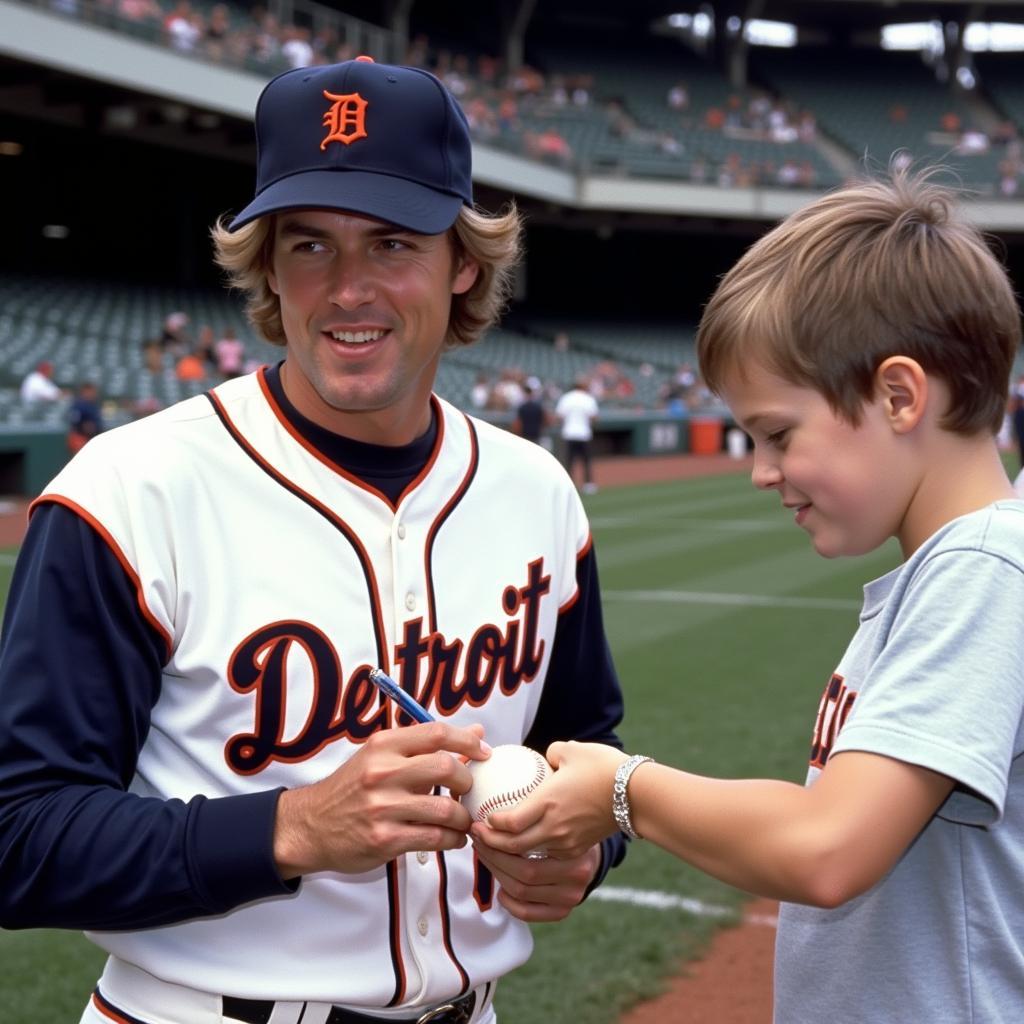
866	345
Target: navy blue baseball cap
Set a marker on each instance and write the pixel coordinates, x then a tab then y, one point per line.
389	142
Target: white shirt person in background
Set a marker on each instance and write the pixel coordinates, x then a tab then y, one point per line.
577	409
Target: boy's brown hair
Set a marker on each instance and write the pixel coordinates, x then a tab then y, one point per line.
875	269
494	241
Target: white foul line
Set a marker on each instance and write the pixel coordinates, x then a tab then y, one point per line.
738	600
655	900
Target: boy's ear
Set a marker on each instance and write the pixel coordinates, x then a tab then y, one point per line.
902	386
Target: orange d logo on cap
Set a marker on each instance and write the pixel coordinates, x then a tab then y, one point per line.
345	119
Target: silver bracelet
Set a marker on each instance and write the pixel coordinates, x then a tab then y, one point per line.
620	801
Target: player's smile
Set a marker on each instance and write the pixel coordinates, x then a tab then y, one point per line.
356	341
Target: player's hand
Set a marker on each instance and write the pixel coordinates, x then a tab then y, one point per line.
539	890
567	813
380	803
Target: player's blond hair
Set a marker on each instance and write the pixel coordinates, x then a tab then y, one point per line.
493	241
874	269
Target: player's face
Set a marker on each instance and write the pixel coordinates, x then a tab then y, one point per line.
365	308
844	484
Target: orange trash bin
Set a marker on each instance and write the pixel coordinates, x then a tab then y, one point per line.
705	435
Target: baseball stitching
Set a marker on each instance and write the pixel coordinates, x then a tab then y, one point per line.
510	798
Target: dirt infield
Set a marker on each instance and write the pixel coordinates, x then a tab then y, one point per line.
622	471
732	983
13	520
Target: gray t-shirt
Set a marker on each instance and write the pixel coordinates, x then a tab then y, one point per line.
934	676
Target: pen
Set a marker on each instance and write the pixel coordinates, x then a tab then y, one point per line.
391	689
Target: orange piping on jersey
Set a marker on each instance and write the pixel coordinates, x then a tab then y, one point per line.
446	922
439	519
106	1010
585	550
373	590
395	933
421	475
580	555
312	449
58	499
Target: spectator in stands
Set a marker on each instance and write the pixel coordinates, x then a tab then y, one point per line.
153	356
38	387
1008	178
175	335
296	47
140	12
204	347
550	146
582	89
85	420
577	410
229	352
679	97
184	27
191	366
217	33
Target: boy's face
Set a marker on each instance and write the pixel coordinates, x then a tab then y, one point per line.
843	483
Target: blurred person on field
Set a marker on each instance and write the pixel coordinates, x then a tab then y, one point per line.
873	397
85	419
577	410
532	419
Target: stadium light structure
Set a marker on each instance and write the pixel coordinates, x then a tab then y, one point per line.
979	37
760	32
914	35
993	36
756	31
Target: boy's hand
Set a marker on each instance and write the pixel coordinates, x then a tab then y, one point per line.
568	813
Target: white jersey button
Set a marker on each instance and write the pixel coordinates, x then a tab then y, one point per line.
401	531
423	856
410	602
422	925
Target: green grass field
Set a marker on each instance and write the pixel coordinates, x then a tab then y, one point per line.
725	627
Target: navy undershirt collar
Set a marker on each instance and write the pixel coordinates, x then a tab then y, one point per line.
388	469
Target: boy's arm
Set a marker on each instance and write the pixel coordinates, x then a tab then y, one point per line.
822	844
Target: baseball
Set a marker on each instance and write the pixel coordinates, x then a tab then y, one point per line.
510	774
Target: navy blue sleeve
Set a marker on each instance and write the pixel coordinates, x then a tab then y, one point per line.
582	699
80	670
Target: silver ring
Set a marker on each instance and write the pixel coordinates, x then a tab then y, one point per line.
536	855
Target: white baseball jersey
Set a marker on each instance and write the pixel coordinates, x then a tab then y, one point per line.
277	581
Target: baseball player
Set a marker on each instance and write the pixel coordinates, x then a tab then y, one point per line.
194	766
